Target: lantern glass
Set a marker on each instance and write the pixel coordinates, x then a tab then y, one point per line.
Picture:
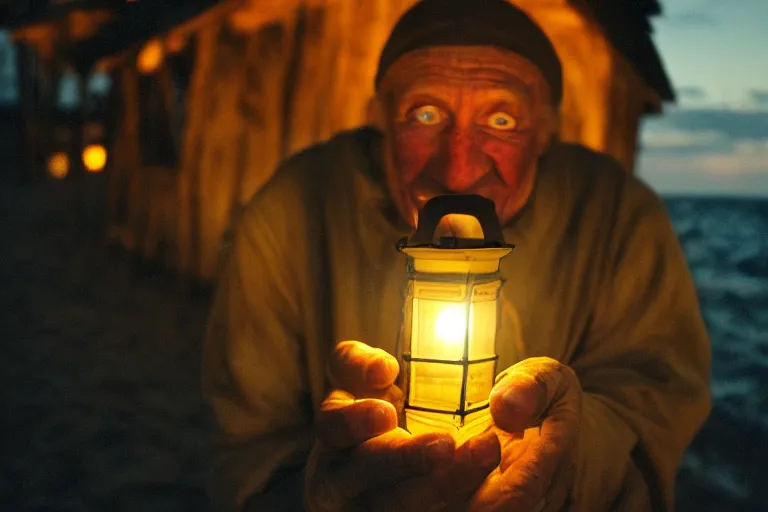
449	339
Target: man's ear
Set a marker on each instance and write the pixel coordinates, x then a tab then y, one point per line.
374	113
549	126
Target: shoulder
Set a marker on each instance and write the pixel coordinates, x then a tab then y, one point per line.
306	175
294	197
582	176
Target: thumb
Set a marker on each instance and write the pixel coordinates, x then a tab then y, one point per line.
360	369
528	390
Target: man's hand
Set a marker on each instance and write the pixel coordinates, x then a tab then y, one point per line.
363	461
536	407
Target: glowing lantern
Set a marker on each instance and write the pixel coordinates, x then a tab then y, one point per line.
58	165
94	158
447	346
150	57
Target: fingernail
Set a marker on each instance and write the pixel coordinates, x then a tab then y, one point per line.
516	399
513	408
377	420
440	450
392	365
379	371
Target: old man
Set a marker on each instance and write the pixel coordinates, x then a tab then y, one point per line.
606	356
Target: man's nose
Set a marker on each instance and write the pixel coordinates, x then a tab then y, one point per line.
463	163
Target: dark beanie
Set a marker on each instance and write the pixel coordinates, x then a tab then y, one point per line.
473	23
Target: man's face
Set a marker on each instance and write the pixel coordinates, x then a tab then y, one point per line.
463	120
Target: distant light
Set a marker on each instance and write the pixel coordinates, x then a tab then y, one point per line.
150	57
58	165
94	158
69	91
99	83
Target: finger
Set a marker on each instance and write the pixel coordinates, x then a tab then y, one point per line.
525	391
472	464
381	462
523	485
414	495
392	394
343	422
449	488
559	492
360	369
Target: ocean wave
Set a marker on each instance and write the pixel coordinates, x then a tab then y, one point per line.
726	245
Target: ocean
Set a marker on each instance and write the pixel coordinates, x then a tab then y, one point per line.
726	244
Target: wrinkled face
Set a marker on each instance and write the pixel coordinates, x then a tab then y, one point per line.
463	120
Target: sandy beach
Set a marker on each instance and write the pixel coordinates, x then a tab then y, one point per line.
100	369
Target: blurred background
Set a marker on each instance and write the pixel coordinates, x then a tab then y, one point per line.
130	132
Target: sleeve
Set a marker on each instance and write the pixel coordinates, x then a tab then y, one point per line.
644	368
254	376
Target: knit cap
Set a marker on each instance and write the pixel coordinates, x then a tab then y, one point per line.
495	23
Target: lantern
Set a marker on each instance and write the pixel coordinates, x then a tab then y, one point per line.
447	346
94	158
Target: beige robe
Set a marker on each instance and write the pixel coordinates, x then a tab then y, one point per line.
597	281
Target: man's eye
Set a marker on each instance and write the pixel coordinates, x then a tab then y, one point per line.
428	115
502	121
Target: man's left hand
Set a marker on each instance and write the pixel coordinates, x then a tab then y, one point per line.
536	408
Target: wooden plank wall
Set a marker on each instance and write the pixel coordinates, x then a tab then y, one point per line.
258	96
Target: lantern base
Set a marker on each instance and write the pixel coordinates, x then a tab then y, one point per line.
461	429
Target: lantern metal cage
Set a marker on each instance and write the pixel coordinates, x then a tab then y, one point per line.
447	340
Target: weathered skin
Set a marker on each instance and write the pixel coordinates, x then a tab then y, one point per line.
457	120
464	120
364	461
536	407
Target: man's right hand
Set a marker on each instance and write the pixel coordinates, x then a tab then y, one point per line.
363	461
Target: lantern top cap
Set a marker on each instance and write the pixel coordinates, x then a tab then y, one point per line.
435	209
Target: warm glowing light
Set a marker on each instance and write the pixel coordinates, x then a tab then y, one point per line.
448	340
58	165
94	158
150	57
451	340
451	324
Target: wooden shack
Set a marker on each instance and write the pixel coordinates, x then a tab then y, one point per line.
269	77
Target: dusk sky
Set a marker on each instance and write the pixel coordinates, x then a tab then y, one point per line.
714	140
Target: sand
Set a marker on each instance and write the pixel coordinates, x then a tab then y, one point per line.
99	375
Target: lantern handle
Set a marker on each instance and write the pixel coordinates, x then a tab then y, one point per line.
477	206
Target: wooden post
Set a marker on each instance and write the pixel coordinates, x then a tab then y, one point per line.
266	93
189	173
27	73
